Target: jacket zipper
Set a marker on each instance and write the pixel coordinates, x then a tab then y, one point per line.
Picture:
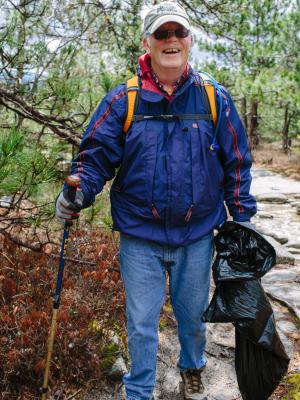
153	208
190	210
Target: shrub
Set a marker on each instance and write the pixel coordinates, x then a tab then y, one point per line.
92	305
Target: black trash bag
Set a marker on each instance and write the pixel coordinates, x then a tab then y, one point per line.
243	257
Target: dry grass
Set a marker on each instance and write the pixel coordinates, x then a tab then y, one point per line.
271	157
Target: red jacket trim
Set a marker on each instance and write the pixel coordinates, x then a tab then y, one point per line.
105	115
237	169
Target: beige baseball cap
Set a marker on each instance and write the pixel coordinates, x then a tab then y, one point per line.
167	11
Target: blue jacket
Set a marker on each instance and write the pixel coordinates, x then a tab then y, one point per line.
169	186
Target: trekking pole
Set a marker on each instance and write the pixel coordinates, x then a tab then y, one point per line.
73	181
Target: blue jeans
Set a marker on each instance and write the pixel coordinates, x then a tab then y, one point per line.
144	265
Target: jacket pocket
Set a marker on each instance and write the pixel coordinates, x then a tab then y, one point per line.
207	172
137	177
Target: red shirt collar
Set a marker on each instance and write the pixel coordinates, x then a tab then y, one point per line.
148	82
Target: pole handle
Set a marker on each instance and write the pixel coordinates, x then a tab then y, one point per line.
73	182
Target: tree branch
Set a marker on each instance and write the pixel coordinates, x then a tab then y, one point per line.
56	124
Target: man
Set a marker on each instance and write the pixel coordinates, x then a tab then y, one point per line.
168	195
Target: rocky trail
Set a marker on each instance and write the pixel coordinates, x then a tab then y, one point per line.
278	218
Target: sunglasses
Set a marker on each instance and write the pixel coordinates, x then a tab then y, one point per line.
180	33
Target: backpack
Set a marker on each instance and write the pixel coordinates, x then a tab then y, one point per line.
209	95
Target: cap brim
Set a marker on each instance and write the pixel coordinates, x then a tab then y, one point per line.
169	18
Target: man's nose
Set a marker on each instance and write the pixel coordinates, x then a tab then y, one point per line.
171	35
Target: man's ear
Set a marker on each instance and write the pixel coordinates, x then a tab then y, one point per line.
146	45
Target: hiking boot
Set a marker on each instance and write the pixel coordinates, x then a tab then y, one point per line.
193	388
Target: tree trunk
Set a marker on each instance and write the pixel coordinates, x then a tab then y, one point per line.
253	134
285	130
244	113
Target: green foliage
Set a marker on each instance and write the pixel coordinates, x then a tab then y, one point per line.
111	351
258	55
293	381
109	80
24	168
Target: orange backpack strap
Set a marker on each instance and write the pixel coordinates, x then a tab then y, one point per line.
132	88
211	94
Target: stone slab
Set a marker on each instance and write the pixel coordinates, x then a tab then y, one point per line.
294	203
294	244
263	181
283	256
284	285
278	236
264	215
287	326
294	251
278	198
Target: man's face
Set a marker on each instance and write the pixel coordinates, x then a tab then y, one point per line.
169	53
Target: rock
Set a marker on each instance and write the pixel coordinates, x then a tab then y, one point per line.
118	369
292	250
5	201
283	256
286	326
287	343
171	380
218	377
275	188
115	339
257	172
294	244
298	210
287	295
294	203
283	285
265	215
277	198
281	275
222	335
278	237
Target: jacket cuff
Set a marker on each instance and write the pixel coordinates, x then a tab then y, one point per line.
244	217
88	196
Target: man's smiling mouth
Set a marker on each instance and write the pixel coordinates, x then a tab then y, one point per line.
171	51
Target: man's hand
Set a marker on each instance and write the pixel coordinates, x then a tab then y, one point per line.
67	210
